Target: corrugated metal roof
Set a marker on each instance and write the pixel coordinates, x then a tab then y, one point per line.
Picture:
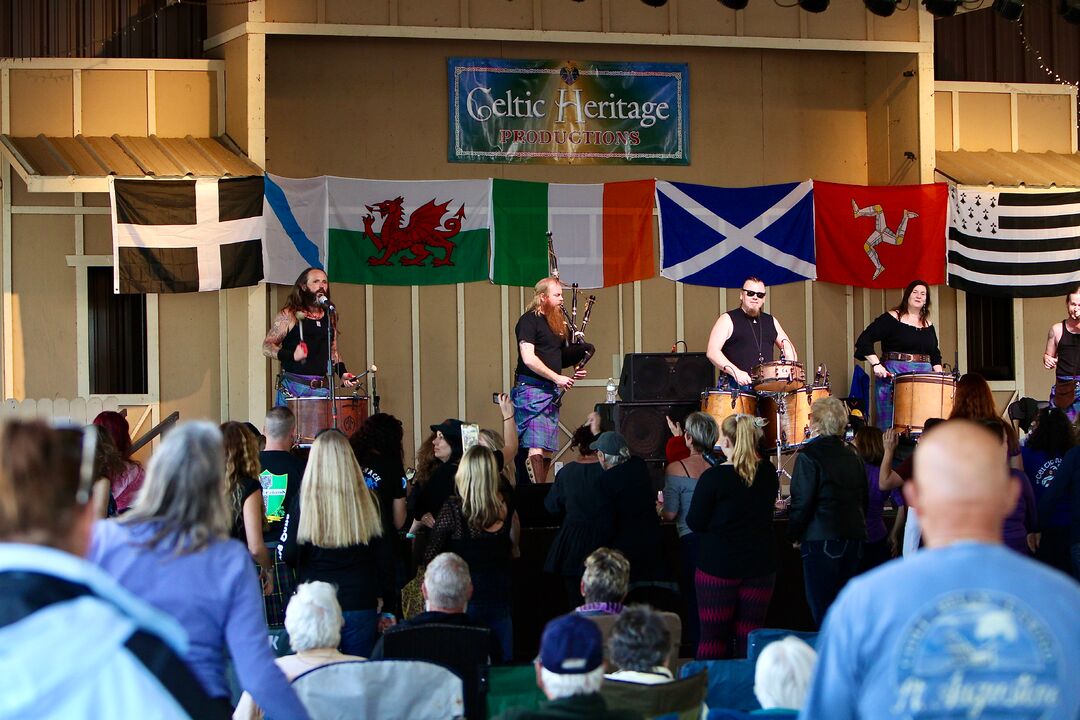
1005	169
73	163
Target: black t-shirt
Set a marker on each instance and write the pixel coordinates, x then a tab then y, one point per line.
429	497
281	462
533	328
315	337
248	486
899	337
386	478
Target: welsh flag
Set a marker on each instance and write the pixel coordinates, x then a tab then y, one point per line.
602	234
392	232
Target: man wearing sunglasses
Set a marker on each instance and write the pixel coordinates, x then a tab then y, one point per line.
73	643
744	337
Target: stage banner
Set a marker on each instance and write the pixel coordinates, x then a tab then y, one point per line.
1018	243
880	236
553	111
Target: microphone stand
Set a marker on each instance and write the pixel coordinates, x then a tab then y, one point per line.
330	365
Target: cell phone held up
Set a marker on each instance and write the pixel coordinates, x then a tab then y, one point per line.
495	398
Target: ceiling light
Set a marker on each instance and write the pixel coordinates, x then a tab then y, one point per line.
942	8
814	6
655	3
734	4
882	8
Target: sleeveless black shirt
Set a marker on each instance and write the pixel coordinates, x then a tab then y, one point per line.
1068	353
318	351
752	339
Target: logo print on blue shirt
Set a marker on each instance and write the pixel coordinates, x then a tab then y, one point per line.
978	654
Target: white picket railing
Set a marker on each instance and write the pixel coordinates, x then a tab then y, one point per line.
80	411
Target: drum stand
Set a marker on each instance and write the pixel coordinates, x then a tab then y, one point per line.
780	399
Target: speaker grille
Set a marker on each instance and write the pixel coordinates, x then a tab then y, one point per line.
645	427
665	376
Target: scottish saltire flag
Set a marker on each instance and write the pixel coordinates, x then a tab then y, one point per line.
1014	244
172	236
720	236
295	212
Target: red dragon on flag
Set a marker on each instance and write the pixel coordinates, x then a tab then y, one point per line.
425	228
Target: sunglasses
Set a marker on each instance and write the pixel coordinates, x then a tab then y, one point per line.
754	293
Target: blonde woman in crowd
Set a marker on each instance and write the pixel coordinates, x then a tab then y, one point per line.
332	533
476	523
732	511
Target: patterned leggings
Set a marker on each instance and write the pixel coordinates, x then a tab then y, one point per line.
729	608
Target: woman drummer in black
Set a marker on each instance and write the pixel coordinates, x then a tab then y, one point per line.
909	343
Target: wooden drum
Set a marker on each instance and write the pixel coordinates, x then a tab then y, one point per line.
920	396
778	376
794	415
722	403
313	415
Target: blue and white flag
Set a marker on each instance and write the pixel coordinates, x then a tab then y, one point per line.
720	236
296	227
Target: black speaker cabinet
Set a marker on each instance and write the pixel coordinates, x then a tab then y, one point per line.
644	427
665	376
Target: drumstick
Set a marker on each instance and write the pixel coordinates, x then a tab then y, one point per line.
300	323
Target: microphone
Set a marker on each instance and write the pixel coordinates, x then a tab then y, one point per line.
325	302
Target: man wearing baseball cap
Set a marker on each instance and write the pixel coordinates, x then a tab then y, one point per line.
570	671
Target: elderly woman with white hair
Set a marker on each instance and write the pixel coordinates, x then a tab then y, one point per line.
782	676
829	497
313	621
173	550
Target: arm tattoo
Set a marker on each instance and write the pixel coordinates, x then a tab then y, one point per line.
281	327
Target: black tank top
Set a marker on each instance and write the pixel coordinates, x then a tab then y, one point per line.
752	339
315	337
1068	352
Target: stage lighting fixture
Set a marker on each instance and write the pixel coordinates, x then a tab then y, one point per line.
882	8
1070	10
1010	10
814	6
734	4
942	8
655	3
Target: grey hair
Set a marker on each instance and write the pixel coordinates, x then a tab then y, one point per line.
830	416
783	673
610	461
280	423
557	685
184	492
447	581
313	618
702	430
639	640
606	577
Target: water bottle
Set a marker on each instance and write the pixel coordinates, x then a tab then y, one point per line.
611	387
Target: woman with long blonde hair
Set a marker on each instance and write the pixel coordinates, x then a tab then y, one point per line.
476	524
333	533
732	511
242	469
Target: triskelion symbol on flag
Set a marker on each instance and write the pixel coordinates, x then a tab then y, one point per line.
882	233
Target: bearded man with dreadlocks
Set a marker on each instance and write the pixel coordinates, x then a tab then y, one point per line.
543	350
298	339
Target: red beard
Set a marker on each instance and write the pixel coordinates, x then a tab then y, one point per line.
555	320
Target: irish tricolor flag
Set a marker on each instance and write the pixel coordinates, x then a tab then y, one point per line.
603	234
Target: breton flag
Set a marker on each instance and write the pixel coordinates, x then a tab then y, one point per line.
296	227
601	233
1014	244
172	236
718	237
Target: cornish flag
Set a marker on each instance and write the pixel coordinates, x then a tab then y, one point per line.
720	236
1014	244
172	236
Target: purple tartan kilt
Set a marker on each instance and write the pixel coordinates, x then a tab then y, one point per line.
297	386
1073	411
536	416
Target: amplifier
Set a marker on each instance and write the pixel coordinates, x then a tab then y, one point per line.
665	376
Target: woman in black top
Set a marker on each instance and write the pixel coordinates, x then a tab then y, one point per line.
732	513
475	523
245	496
333	533
908	344
587	524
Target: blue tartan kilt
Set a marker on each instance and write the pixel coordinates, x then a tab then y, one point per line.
536	415
291	385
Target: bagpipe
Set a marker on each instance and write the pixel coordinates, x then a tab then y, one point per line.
576	351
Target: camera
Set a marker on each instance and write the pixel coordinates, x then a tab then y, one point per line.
495	398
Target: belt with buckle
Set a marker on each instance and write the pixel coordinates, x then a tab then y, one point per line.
907	357
314	382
